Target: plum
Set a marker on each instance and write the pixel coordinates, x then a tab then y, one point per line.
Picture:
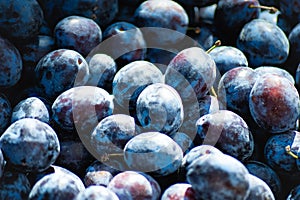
259	189
96	192
180	191
6	112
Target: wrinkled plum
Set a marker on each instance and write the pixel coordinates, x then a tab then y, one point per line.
14	185
263	43
82	108
153	152
60	70
274	103
6	112
267	174
132	185
31	107
228	131
56	186
163	15
20	20
11	64
234	89
259	190
30	145
132	79
191	72
159	108
126	42
216	176
102	70
179	191
96	193
77	33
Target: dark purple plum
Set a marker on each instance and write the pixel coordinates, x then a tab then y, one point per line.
204	36
132	79
293	59
20	20
6	112
132	185
274	103
77	33
159	108
234	89
30	145
192	73
206	14
228	57
102	70
56	186
183	140
81	108
262	70
126	42
277	154
270	2
179	191
74	156
111	135
96	193
31	107
294	193
216	176
267	174
99	166
259	190
14	185
60	70
102	12
228	131
156	188
101	178
154	153
11	64
164	15
199	3
291	10
263	43
232	15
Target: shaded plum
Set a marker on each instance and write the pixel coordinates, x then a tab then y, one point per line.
6	112
259	189
183	140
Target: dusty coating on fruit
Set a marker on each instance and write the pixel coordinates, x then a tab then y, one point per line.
263	43
6	111
259	189
10	64
228	131
156	190
30	145
274	103
60	70
183	140
101	178
56	186
217	176
132	78
159	108
97	192
194	66
112	133
179	191
14	185
164	14
77	33
131	185
262	70
31	107
153	152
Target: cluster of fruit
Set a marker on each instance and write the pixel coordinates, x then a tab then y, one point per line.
115	99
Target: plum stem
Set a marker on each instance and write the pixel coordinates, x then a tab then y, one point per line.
197	29
217	44
270	9
288	150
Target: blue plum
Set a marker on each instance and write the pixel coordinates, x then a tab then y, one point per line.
274	103
270	17
263	43
203	35
192	73
30	145
179	191
77	33
96	193
6	112
60	70
216	176
293	59
102	70
259	189
154	153
291	10
162	14
20	20
294	193
262	70
2	163
101	178
159	108
31	107
183	140
11	64
228	131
